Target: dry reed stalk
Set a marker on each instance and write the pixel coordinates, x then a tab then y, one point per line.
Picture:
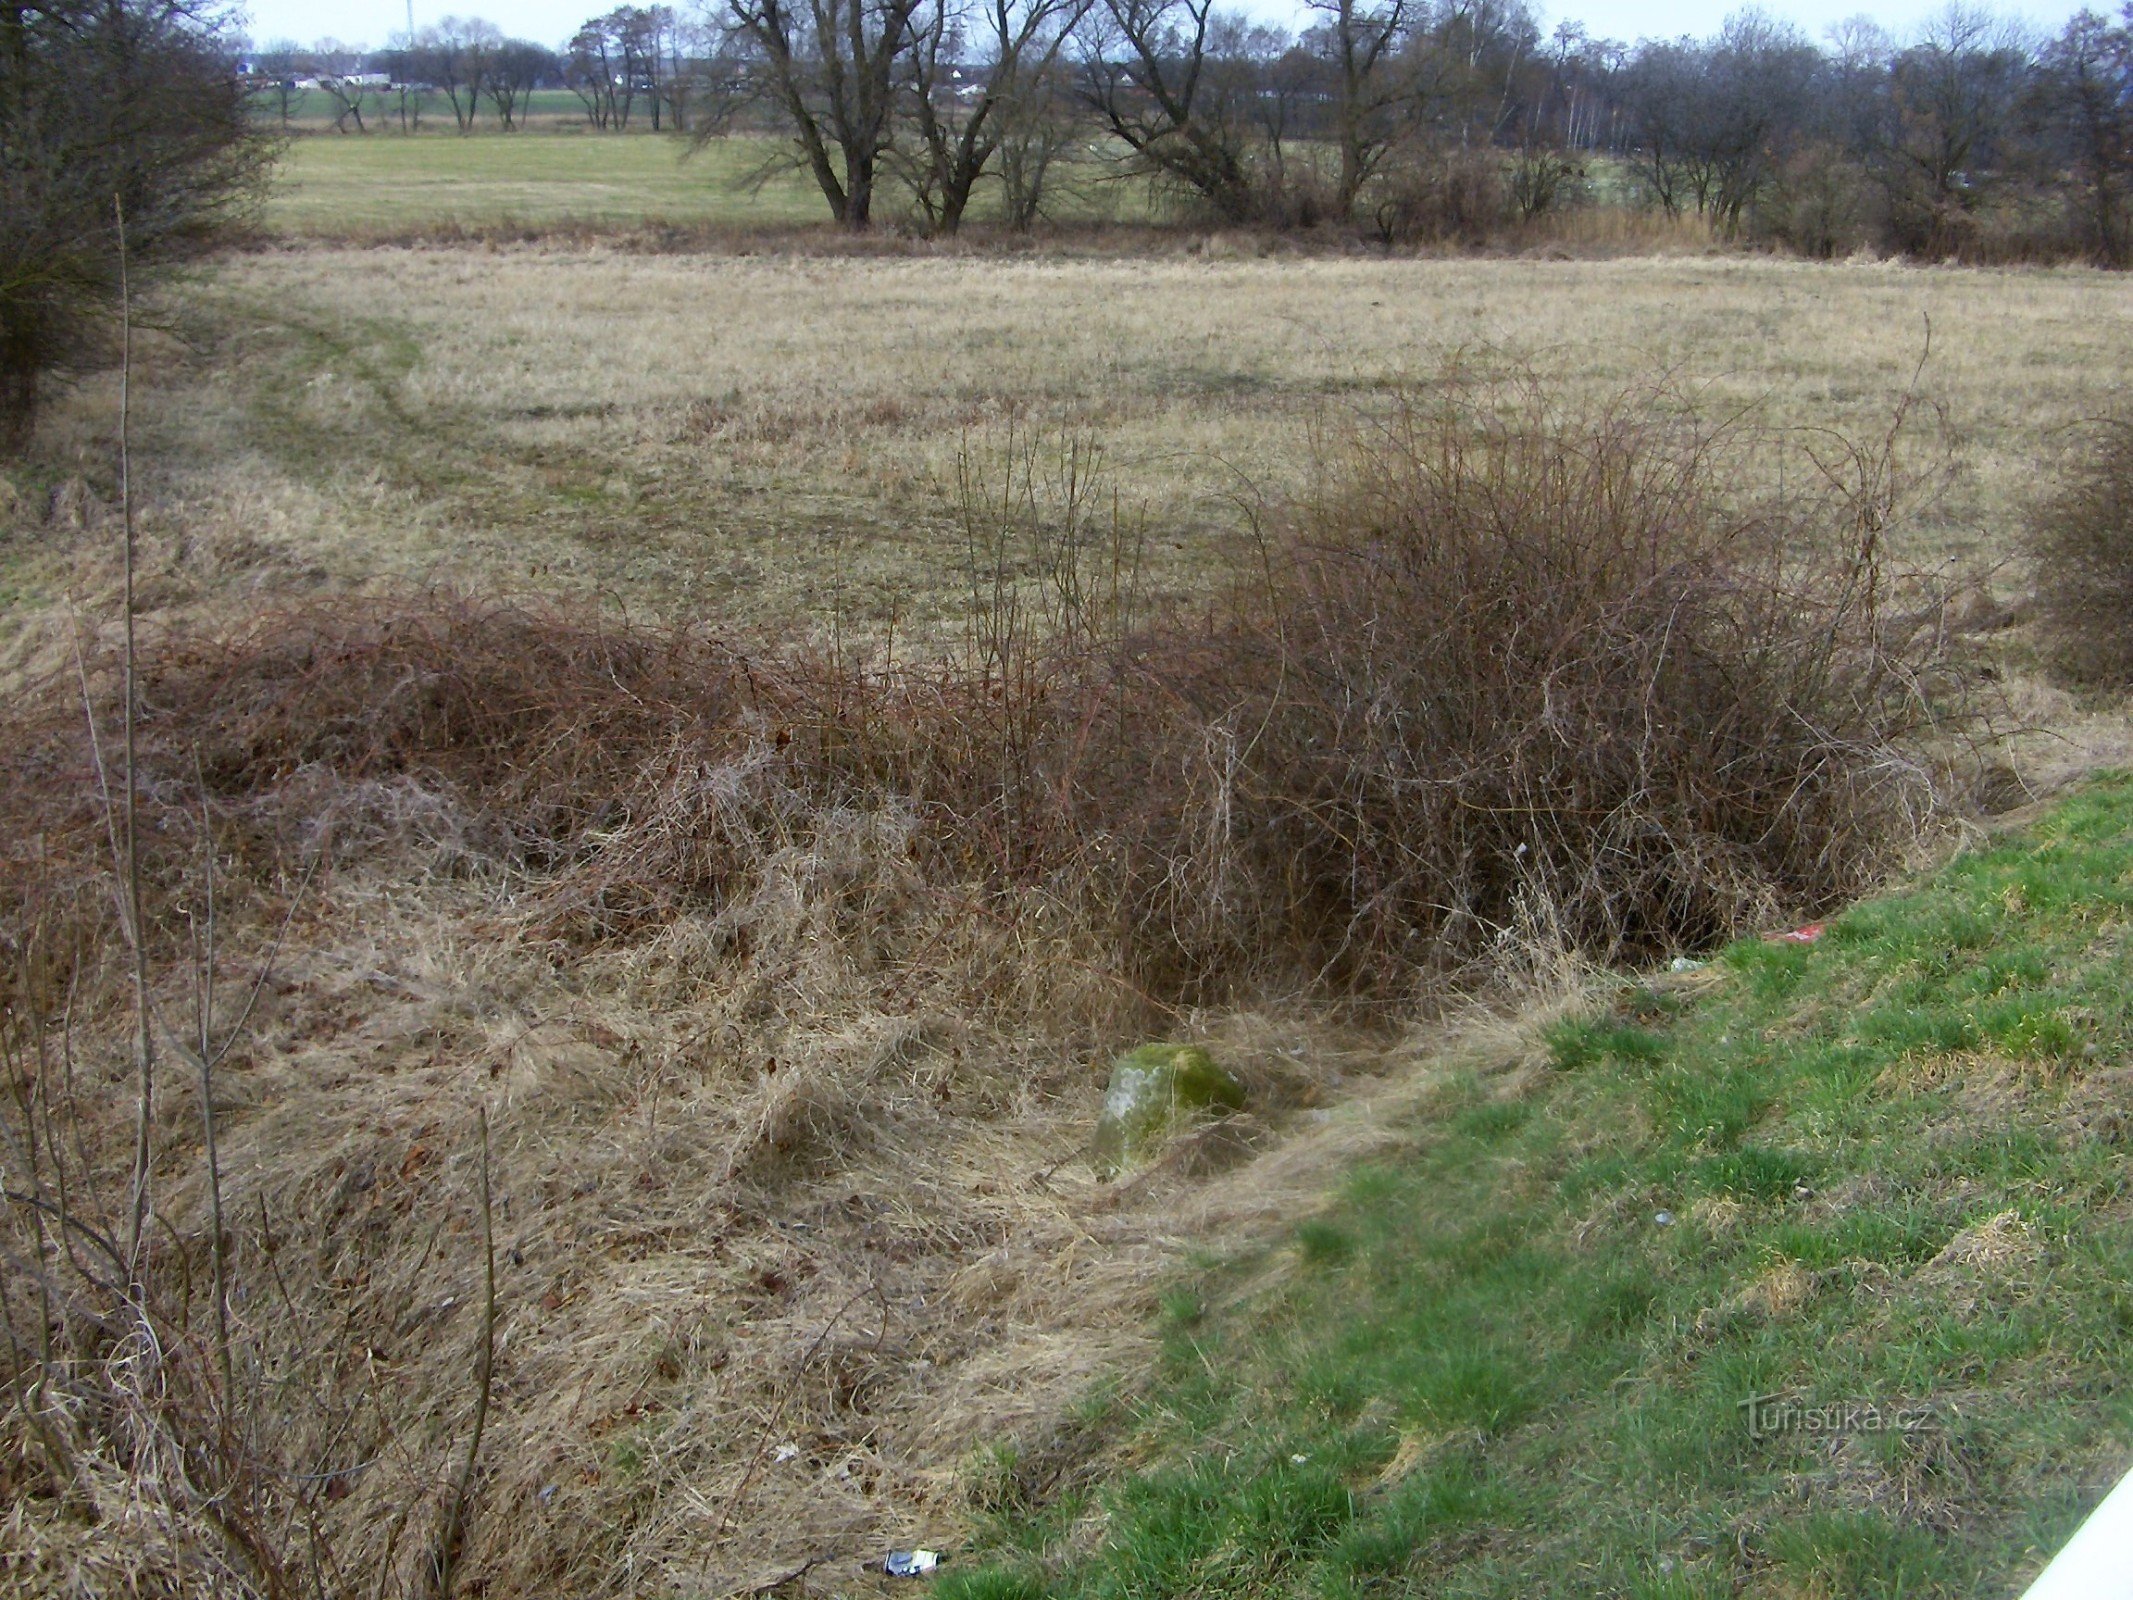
130	868
451	1531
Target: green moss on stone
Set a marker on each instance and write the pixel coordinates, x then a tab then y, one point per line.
1154	1091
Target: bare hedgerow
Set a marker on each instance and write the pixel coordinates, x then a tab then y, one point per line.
2082	543
1501	668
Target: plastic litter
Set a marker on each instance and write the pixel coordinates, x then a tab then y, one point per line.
785	1452
1664	1219
911	1563
1297	1461
1686	964
1801	935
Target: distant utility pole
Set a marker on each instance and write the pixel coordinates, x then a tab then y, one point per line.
411	24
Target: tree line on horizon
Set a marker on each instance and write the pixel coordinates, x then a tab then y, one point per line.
1415	120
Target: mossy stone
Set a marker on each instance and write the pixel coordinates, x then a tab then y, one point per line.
1154	1091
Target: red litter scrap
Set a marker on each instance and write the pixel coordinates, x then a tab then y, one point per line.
1806	935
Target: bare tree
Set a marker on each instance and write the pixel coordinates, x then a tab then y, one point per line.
1950	100
275	71
515	72
829	67
347	94
620	57
409	91
1289	89
592	66
1039	125
1715	122
679	46
967	73
1154	71
409	99
134	100
2086	94
1661	87
639	34
1361	39
458	55
1465	58
651	56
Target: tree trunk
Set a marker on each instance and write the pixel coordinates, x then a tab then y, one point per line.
955	195
859	193
1351	175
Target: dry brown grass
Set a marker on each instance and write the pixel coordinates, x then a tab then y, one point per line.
728	947
2082	545
753	937
691	436
789	1227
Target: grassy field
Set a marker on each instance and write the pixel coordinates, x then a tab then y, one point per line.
335	186
546	110
565	178
1515	1356
769	440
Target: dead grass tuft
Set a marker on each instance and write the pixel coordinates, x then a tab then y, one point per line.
2082	544
1997	1251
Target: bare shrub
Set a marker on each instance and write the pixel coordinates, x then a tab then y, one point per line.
2082	544
1817	205
101	105
1500	666
1513	665
1541	182
1453	196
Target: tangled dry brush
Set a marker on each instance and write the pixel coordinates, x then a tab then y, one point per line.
775	973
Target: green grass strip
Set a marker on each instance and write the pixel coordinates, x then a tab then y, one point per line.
1877	1184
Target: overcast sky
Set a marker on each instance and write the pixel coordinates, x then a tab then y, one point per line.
372	22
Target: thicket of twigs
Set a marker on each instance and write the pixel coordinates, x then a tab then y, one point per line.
1498	672
2082	543
1504	680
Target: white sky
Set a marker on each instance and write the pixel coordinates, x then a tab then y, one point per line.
371	22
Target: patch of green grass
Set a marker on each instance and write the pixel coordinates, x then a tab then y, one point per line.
1867	1172
335	186
1322	1241
560	174
1575	1043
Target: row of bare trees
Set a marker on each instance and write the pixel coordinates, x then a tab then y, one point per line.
1408	118
634	66
1917	146
639	62
1448	115
1238	119
468	64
